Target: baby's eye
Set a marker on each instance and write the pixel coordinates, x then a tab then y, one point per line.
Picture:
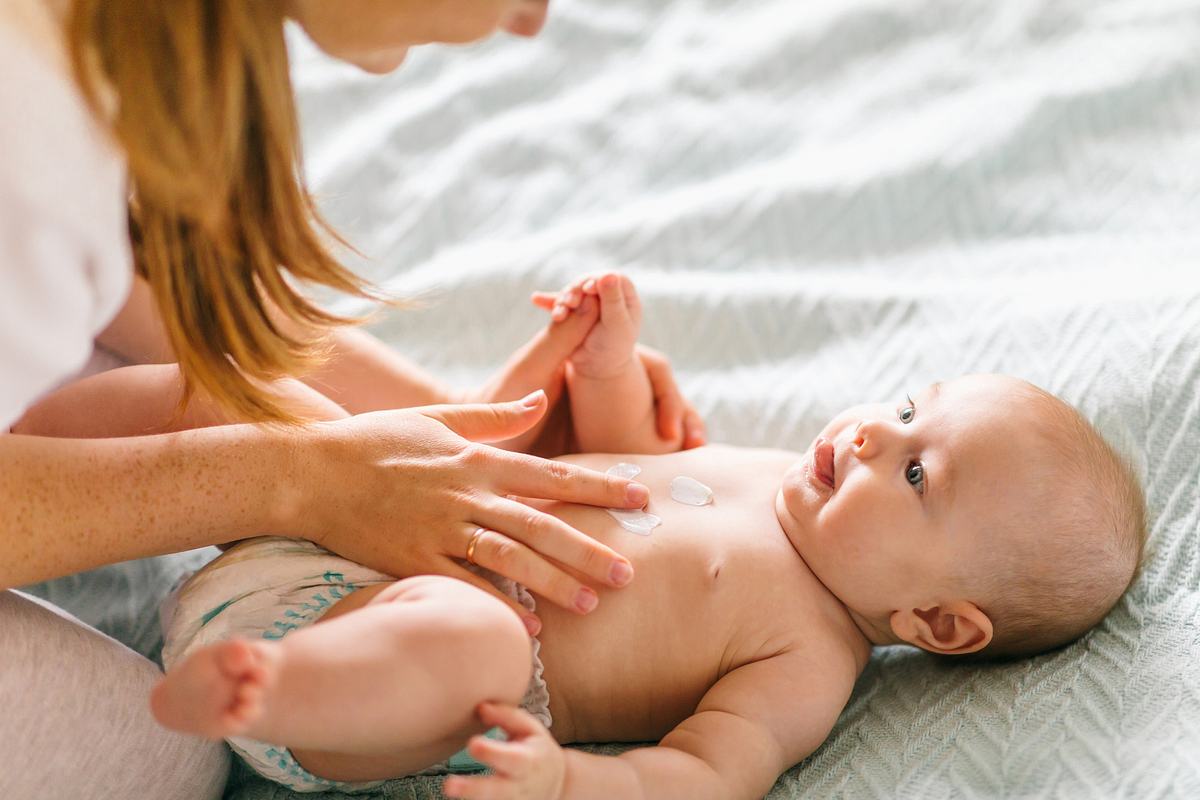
907	413
915	475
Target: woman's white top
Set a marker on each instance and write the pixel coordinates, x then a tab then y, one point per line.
65	265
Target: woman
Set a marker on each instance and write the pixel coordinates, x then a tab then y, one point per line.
185	110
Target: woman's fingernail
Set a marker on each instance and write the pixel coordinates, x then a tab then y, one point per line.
532	400
638	494
533	625
621	573
586	600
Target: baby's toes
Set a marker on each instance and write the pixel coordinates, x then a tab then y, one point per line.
247	703
612	294
236	658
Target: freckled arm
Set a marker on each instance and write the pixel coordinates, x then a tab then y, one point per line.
68	505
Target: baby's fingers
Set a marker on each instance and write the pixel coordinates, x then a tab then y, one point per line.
544	300
516	722
506	758
491	787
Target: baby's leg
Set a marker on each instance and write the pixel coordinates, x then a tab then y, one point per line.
612	400
143	400
381	690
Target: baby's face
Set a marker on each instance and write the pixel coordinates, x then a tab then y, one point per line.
890	505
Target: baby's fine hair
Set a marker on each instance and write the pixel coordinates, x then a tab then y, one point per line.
1082	539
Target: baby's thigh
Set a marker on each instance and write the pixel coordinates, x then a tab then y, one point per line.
427	650
474	644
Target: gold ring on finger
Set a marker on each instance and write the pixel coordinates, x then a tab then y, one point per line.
471	544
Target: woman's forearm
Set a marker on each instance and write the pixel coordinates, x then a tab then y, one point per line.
363	374
68	505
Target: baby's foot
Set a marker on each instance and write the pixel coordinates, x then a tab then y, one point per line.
609	345
218	690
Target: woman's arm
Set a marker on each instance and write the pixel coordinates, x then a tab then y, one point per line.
68	505
143	400
401	491
361	374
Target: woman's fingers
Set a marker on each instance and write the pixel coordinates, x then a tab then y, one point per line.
506	556
490	422
668	404
694	431
530	476
668	400
551	537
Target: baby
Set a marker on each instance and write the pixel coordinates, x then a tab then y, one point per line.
978	517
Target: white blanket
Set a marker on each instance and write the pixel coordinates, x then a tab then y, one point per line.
830	202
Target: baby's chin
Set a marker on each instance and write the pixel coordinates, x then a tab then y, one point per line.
792	527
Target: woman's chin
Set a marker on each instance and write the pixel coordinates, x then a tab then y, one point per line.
379	63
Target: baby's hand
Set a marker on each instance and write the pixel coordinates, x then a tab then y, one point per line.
529	766
609	346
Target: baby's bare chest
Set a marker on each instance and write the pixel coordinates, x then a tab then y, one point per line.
716	587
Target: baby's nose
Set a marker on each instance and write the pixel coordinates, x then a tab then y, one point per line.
870	437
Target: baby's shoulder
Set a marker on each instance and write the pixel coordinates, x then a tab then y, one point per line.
816	636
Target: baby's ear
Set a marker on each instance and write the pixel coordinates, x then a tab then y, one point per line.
954	628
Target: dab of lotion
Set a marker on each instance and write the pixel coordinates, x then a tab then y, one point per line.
623	470
690	491
634	520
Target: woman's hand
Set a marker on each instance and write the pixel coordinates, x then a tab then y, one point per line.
406	491
673	413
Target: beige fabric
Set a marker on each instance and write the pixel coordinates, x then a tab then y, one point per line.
77	717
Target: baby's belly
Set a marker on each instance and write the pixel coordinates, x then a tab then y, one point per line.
708	583
640	663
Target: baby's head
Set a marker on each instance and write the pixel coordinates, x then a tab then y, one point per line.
983	515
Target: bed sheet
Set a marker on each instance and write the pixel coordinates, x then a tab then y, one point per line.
824	203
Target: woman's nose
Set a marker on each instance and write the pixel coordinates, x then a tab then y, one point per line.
526	19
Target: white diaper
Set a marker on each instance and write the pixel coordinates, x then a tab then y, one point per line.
270	586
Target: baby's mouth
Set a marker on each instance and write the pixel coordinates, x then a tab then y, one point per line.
823	452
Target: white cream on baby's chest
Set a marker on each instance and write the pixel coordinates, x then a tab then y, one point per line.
684	489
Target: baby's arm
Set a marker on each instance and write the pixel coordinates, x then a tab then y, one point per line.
750	727
612	400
